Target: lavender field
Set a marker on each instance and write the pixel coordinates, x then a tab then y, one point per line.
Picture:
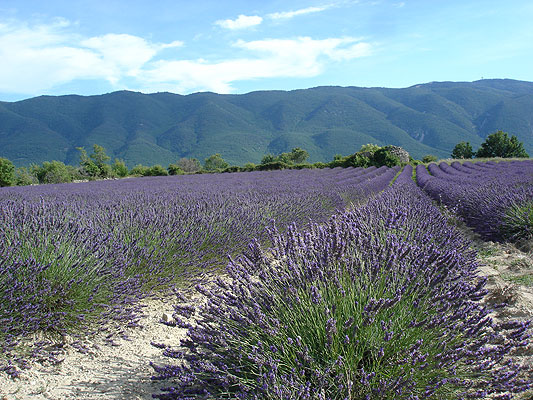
72	255
341	283
495	199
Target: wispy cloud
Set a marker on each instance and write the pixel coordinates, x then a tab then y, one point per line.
242	21
302	11
272	58
37	59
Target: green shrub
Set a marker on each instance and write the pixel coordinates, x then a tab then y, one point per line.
517	224
215	163
7	172
249	166
383	157
24	177
428	158
174	169
273	165
157	170
119	168
140	170
54	172
233	168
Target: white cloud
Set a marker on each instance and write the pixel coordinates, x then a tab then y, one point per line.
242	21
37	58
272	58
291	14
124	54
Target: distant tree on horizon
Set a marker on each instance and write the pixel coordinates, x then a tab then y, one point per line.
499	144
215	162
7	172
463	150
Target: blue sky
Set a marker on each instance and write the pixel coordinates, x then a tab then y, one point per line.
57	47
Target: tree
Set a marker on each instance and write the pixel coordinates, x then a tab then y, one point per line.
298	155
174	169
215	162
369	148
157	170
24	177
383	156
140	170
498	144
53	172
463	150
189	165
119	168
7	172
268	158
95	165
429	158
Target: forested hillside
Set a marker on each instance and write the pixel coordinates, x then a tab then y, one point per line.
162	127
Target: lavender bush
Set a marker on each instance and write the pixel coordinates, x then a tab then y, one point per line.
493	198
73	255
377	303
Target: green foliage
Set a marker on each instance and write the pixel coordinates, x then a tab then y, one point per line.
463	150
7	172
517	224
189	165
273	165
326	124
298	155
383	157
233	168
157	170
95	165
215	163
24	177
249	166
140	170
370	148
119	168
54	172
369	155
498	144
268	158
174	169
429	158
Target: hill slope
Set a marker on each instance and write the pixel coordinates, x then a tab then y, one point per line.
162	127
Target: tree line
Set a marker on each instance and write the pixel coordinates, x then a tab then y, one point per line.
97	164
497	144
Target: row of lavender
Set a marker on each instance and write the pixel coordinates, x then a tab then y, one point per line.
495	199
381	302
75	254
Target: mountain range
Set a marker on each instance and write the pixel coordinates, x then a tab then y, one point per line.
160	128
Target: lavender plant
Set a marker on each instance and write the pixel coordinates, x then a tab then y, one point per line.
377	303
492	197
75	255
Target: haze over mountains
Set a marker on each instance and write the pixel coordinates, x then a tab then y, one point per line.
160	128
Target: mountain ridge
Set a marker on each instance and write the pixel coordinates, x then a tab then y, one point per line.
159	128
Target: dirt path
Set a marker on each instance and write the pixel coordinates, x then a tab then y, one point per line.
123	371
110	372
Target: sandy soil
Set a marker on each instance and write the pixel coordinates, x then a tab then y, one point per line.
122	371
119	371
